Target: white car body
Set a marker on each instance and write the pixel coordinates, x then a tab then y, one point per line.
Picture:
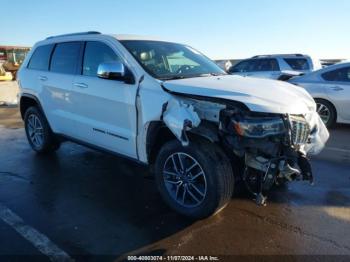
336	92
65	117
123	105
273	66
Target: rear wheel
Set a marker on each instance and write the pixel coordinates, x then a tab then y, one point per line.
326	111
196	180
39	134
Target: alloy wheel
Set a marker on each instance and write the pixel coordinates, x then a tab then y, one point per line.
323	112
185	179
35	130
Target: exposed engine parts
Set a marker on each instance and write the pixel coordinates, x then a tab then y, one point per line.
272	147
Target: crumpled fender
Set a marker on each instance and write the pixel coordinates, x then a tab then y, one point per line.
180	117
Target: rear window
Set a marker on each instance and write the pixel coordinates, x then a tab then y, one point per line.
298	63
41	58
339	75
65	58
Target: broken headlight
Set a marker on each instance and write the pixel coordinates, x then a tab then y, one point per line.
259	127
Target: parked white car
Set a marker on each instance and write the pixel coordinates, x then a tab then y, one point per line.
330	87
166	105
273	66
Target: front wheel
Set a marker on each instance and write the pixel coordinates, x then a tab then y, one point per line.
197	180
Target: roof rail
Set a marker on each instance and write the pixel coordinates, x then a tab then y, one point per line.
73	34
257	56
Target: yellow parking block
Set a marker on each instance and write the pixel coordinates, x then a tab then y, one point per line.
6	77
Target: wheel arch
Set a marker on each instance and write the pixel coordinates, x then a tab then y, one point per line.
331	103
158	134
26	101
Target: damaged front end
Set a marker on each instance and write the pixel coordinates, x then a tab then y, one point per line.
274	147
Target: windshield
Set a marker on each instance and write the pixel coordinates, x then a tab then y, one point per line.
167	61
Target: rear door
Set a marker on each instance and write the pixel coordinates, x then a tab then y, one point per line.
104	109
34	77
56	93
337	85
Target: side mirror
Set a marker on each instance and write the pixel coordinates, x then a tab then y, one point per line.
112	70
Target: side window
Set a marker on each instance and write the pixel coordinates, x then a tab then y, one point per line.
95	54
341	75
297	63
266	65
65	58
241	66
41	58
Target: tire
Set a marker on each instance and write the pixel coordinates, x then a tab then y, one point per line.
327	112
38	131
216	183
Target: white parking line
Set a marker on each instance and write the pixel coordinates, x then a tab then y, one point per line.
342	150
41	242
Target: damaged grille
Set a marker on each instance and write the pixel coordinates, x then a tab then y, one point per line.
300	130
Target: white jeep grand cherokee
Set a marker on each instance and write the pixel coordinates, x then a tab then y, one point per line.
168	106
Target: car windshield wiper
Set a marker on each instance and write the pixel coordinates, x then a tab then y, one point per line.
211	74
218	74
173	77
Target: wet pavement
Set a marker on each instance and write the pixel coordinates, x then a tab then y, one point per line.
89	203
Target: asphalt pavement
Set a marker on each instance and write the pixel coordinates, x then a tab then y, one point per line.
79	202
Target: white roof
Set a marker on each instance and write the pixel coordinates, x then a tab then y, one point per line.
117	36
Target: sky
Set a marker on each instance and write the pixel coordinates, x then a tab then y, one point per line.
221	29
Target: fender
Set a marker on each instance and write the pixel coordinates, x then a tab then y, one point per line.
27	95
37	101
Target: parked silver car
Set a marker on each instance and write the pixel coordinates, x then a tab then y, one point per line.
330	87
274	66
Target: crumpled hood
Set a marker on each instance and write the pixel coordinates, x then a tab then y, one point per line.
259	95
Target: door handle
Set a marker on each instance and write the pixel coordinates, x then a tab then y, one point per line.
337	88
42	78
81	85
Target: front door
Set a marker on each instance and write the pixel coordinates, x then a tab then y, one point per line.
105	111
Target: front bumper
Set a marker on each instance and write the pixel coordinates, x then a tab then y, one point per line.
303	135
279	157
318	136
